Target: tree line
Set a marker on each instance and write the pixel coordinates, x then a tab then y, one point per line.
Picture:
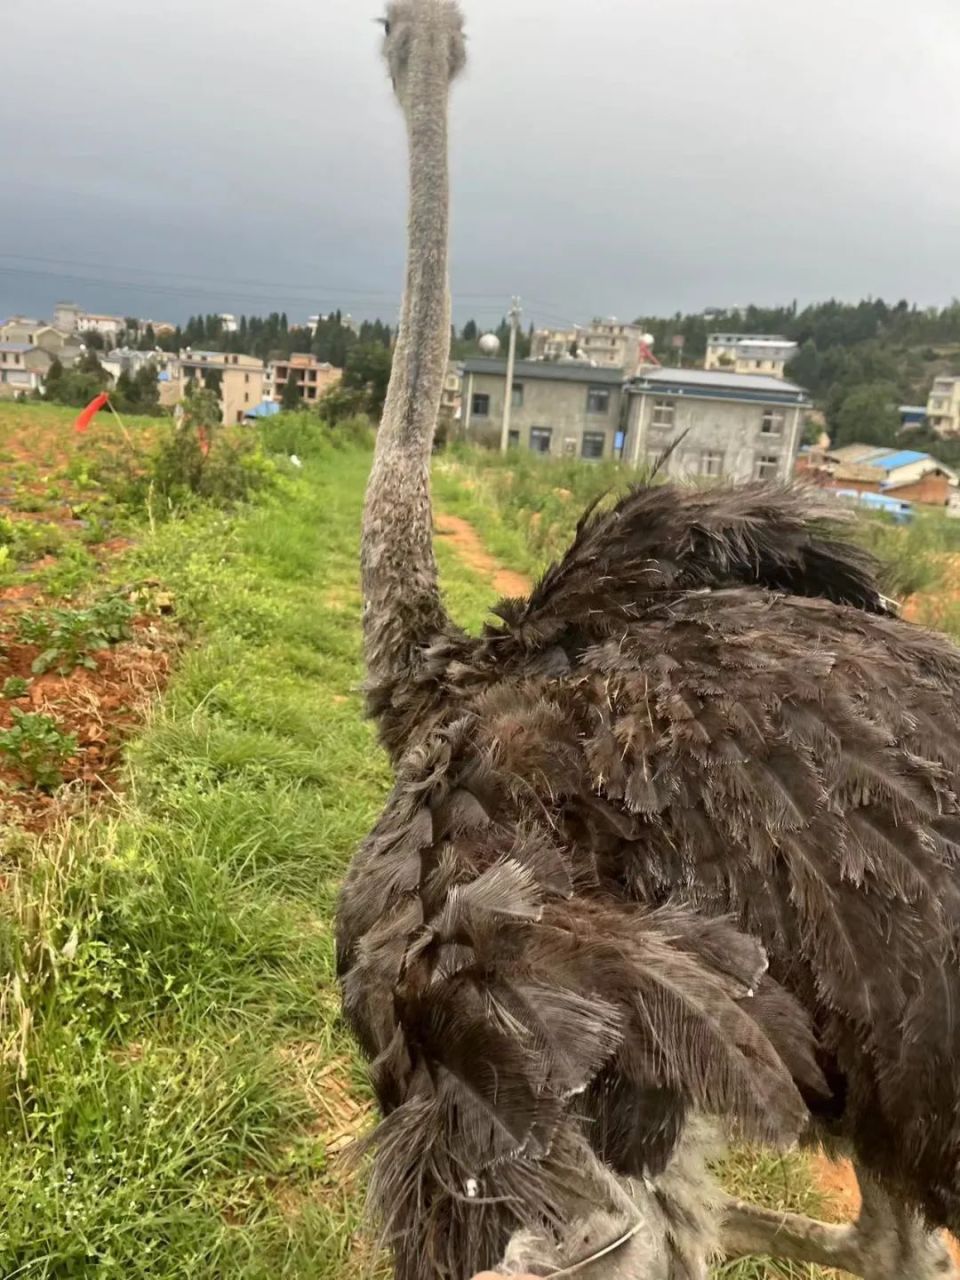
860	361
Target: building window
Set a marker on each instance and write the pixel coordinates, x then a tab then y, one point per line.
246	397
711	462
593	444
768	466
481	406
598	400
540	438
246	377
516	398
513	439
773	422
664	412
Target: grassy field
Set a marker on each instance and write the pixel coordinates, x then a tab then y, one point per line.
527	510
176	1090
175	1084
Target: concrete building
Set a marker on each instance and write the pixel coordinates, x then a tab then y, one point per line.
907	475
66	317
733	426
34	333
20	329
127	360
238	380
22	369
749	353
451	398
229	322
564	410
608	344
943	406
912	416
554	344
314	376
108	327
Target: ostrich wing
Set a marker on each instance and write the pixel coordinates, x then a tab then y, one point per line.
511	1018
658	540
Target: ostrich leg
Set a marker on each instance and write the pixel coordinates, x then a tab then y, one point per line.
887	1242
894	1243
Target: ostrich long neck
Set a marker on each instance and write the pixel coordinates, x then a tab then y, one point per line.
401	598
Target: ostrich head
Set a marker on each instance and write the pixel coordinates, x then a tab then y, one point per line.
415	32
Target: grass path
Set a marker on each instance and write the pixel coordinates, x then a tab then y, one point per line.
176	1086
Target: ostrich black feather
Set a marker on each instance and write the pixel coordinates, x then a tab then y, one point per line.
701	742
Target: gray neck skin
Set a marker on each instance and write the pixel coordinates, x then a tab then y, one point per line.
402	608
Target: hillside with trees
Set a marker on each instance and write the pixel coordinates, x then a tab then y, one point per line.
859	361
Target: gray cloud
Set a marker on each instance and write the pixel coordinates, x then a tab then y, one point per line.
615	156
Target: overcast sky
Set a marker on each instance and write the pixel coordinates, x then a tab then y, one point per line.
610	156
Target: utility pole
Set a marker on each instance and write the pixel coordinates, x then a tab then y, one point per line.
515	314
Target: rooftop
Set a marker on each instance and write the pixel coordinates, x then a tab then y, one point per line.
548	370
774	339
18	347
887	460
705	381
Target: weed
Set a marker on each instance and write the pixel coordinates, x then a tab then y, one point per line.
37	747
15	687
68	637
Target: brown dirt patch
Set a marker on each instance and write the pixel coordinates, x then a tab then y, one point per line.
462	535
99	706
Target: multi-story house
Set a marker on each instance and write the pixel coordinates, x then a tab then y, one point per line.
609	344
23	368
554	344
564	410
749	353
313	376
237	379
730	426
943	406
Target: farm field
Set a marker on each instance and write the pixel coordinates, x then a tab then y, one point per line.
176	1092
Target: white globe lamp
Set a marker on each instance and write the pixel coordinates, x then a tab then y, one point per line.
490	344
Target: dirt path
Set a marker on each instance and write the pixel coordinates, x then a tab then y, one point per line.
462	535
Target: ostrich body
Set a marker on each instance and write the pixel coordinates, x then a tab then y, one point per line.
678	835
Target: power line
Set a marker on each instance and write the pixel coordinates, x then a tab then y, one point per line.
308	287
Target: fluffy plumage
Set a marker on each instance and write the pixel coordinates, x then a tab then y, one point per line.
534	941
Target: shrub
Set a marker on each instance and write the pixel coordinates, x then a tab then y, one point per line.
37	747
69	636
306	435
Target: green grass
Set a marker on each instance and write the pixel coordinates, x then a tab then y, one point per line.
173	1072
527	509
174	978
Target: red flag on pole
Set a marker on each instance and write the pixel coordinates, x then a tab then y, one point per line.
93	408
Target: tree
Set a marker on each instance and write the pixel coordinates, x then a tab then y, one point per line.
92	339
138	392
368	370
76	386
469	331
868	415
291	398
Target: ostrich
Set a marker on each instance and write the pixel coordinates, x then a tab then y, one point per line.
675	838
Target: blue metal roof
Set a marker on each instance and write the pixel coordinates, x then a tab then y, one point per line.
265	409
901	458
17	346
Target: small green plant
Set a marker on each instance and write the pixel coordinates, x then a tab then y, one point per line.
68	637
15	687
37	747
